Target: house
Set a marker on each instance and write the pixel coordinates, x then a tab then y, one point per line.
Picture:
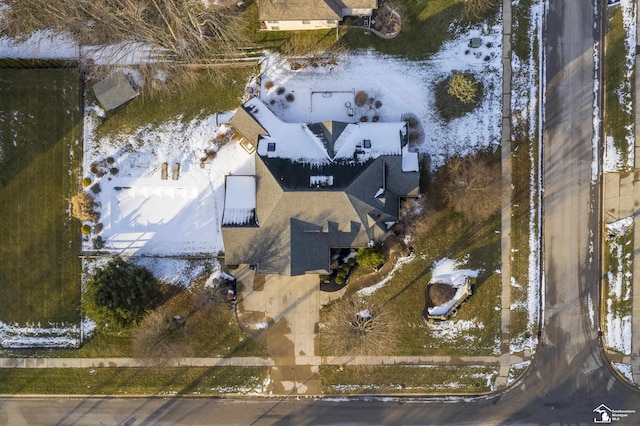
290	15
317	186
114	91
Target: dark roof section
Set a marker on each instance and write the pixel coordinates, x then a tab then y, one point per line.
296	176
114	91
297	228
328	132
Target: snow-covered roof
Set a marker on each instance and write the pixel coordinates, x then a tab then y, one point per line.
315	143
239	200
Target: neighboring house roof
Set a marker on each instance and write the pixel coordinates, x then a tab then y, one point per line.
114	91
303	209
294	10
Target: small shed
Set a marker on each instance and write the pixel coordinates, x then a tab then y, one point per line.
114	91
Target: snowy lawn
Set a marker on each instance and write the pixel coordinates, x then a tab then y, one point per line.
399	87
407	379
619	285
143	213
620	64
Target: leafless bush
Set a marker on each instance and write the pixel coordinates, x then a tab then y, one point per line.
361	98
479	8
356	326
83	207
268	84
471	185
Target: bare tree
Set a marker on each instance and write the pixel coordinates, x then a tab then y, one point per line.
479	8
356	326
180	31
471	185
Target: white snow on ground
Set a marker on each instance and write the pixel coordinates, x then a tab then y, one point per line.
613	160
402	87
368	291
143	214
453	329
597	121
618	324
446	271
35	335
516	369
625	369
180	272
592	314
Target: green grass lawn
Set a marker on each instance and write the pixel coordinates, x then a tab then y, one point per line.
617	115
449	235
207	94
524	159
618	272
39	152
407	379
133	381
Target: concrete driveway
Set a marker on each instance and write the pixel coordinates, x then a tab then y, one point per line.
282	313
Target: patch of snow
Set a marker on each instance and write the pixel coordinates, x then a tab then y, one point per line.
446	270
44	44
592	316
38	336
368	291
393	81
454	329
175	271
625	369
410	162
143	214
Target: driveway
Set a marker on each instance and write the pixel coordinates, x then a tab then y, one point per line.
282	313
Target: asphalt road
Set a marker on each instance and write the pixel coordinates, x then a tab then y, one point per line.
570	376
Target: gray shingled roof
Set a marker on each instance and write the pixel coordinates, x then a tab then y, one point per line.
298	228
295	10
248	127
114	91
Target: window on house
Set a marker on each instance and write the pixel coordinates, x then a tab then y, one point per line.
306	21
275	28
366	143
271	146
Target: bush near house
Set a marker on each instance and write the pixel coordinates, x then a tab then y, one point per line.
369	257
457	95
83	207
119	294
